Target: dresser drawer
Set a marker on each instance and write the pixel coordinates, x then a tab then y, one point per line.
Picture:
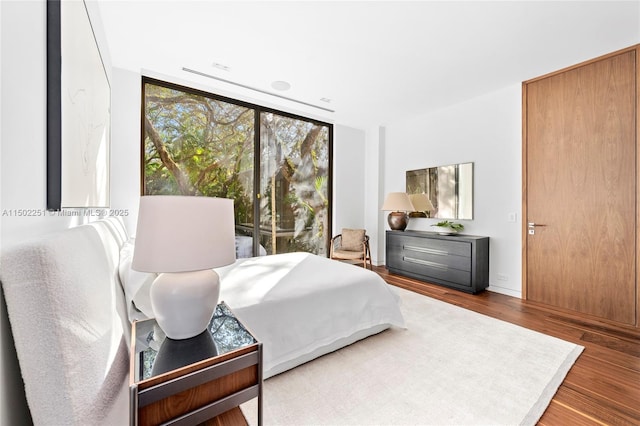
429	256
437	247
436	270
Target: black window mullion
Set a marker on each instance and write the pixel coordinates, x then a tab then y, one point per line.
256	181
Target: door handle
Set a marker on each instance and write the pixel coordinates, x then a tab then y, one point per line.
532	227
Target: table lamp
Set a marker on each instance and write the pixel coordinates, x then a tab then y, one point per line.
421	204
398	203
183	238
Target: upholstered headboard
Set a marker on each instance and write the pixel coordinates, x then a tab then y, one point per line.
68	318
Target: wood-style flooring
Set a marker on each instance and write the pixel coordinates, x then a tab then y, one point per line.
602	387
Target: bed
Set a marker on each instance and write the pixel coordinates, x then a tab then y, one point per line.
302	306
299	305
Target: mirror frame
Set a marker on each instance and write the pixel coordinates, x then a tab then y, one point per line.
429	186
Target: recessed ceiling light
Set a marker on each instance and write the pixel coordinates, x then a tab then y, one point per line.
220	66
327	100
235	83
281	85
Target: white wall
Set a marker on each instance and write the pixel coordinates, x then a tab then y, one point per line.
22	161
125	144
348	178
23	129
487	131
375	158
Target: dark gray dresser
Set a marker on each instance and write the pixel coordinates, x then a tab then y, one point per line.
457	261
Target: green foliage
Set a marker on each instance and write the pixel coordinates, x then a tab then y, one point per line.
449	224
203	146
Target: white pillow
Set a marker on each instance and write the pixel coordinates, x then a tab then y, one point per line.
136	285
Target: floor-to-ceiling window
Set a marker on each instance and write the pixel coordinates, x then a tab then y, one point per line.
274	165
294	177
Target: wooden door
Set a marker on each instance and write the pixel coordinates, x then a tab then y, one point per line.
580	184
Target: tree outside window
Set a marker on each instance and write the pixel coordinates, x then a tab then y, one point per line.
199	144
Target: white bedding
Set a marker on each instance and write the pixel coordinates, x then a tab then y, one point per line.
301	306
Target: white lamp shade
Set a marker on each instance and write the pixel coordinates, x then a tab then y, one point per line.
397	201
421	203
181	233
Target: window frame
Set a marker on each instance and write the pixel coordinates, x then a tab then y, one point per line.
257	111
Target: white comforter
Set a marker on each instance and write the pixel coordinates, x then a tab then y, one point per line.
298	304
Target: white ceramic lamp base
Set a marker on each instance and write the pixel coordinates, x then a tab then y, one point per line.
184	302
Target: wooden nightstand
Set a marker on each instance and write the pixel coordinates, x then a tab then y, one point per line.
197	380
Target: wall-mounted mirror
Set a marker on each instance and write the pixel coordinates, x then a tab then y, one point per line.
448	189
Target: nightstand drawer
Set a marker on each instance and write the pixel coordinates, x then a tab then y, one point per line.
194	380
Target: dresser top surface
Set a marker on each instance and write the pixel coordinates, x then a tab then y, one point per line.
428	234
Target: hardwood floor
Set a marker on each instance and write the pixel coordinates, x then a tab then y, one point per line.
602	387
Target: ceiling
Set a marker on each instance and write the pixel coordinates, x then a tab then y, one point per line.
376	62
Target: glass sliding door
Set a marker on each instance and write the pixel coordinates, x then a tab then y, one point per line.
294	190
196	143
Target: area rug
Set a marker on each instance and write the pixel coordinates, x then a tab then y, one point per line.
450	366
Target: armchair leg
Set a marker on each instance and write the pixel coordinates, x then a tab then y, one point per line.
367	257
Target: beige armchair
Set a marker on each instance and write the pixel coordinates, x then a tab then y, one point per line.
351	246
